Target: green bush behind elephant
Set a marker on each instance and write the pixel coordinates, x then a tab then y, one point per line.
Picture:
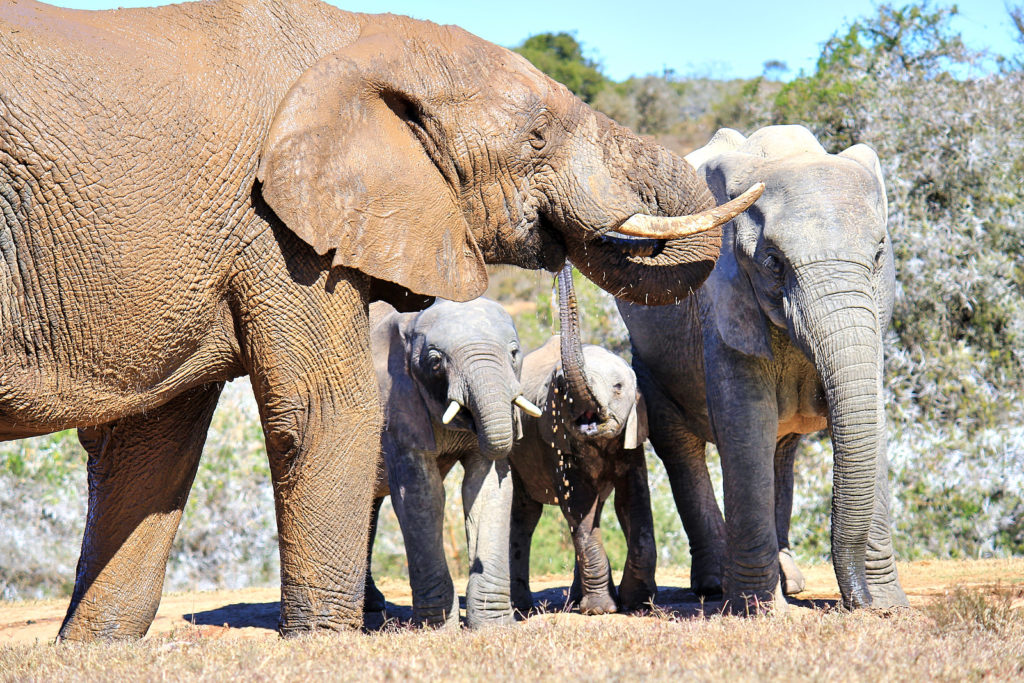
195	192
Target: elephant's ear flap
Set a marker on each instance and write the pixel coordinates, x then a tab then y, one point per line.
636	424
349	164
406	419
866	157
738	317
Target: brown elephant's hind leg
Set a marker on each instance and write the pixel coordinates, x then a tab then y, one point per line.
793	580
140	472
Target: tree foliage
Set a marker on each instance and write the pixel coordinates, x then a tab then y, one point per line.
560	56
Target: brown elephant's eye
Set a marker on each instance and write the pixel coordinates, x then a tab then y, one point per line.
537	140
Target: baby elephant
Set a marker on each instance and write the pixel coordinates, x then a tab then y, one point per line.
449	378
588	442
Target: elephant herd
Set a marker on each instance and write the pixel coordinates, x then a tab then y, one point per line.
782	340
196	192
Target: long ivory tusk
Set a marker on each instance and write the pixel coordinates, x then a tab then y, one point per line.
528	408
449	415
675	227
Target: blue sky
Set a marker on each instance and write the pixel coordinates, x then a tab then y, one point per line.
727	40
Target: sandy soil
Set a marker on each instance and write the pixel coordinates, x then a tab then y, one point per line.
252	612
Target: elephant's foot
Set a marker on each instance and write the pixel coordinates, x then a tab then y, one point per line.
636	593
305	610
792	578
87	623
522	602
598	603
492	618
706	576
437	616
888	596
373	601
750	602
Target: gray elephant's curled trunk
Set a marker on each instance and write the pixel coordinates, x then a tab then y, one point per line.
839	327
669	186
571	348
489	399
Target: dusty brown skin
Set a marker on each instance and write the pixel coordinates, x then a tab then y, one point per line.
195	192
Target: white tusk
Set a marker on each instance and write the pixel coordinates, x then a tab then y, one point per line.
675	227
449	415
528	408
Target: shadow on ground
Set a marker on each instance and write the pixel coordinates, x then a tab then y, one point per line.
672	602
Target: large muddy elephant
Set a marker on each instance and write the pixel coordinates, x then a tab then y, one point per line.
784	339
588	442
195	192
449	381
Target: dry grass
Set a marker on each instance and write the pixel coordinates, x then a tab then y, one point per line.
972	630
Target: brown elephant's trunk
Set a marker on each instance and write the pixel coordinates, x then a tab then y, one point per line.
581	394
666	271
838	325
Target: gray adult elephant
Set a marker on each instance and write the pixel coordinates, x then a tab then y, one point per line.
587	443
194	192
449	381
784	339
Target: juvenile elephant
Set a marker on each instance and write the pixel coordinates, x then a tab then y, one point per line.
784	339
587	443
195	192
449	381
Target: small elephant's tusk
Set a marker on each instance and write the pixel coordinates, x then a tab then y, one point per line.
528	408
676	227
449	415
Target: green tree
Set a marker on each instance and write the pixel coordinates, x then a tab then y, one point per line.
914	41
560	56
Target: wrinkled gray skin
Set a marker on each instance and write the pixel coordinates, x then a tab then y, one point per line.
587	443
784	339
468	353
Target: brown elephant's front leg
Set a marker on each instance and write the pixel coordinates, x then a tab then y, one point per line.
592	583
140	472
306	345
633	508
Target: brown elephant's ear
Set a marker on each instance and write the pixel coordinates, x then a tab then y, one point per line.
344	170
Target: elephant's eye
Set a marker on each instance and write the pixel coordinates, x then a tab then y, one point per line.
617	387
537	140
880	255
773	264
435	362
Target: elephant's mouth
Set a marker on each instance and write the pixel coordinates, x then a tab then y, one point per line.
593	425
632	246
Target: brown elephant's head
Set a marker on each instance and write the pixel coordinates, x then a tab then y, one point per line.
420	152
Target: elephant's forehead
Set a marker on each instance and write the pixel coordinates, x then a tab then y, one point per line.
606	368
450	321
828	191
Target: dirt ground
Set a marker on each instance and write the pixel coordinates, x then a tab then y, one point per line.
252	613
